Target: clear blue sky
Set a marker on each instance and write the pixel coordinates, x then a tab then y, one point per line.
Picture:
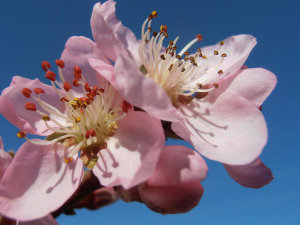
35	30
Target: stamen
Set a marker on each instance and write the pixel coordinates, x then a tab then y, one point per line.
60	63
30	106
77	72
67	86
26	92
50	75
21	134
45	66
39	91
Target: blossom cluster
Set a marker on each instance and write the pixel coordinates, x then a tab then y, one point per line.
113	104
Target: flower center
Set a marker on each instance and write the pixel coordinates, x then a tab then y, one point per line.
86	122
180	75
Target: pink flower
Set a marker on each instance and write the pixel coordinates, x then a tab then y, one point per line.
210	99
5	161
86	124
175	185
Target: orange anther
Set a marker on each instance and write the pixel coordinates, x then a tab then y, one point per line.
50	75
95	89
77	72
75	83
67	86
87	87
101	90
30	106
68	160
26	92
93	133
199	37
39	91
125	106
21	134
87	133
60	63
45	65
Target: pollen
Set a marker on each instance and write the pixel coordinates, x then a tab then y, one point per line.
60	63
45	66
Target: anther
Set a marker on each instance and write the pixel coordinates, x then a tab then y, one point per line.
220	72
224	55
93	133
50	75
75	83
45	118
216	52
45	66
162	57
68	160
77	119
154	33
125	106
21	134
30	106
77	72
204	56
163	28
186	53
199	37
67	86
60	63
178	56
221	43
26	92
216	85
170	68
171	43
39	91
95	89
87	87
154	14
87	133
64	99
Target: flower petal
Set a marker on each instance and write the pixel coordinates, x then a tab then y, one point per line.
139	90
107	40
254	84
12	105
227	128
252	175
5	159
47	220
76	52
38	181
237	49
179	198
178	164
132	153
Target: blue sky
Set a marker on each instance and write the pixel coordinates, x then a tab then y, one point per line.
36	30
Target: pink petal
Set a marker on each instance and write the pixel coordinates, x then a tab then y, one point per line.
254	84
172	199
107	40
12	105
139	90
5	160
253	175
41	182
237	48
125	35
135	148
76	52
178	164
224	127
47	220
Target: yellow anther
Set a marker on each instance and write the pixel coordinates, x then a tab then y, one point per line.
77	119
221	42
204	57
21	134
216	85
154	13
163	28
224	55
216	52
68	160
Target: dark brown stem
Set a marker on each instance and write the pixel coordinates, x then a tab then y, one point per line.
89	184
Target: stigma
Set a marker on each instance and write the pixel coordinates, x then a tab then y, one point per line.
86	122
182	75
